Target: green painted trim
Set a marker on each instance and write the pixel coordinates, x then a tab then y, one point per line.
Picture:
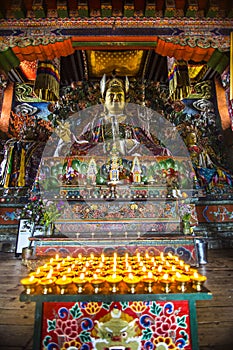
106	12
191	13
169	13
39	14
83	13
193	324
150	13
112	43
212	13
128	13
38	325
63	13
19	14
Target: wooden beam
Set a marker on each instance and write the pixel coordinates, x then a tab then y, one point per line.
95	8
117	8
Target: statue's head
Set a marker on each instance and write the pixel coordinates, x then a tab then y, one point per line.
191	135
114	94
191	138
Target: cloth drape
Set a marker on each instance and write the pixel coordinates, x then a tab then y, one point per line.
47	81
178	76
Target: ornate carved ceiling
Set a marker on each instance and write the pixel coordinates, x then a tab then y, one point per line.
101	34
117	8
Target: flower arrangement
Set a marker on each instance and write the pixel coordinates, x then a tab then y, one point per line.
52	211
41	212
184	210
33	211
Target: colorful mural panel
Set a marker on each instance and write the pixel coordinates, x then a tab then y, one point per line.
126	325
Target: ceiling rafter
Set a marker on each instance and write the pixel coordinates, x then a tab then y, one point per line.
108	8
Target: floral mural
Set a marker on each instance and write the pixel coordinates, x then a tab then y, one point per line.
134	325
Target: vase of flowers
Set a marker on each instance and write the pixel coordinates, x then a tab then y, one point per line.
52	211
185	215
33	212
40	212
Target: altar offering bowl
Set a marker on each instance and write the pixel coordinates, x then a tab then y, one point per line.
47	284
113	281
132	283
96	283
29	284
63	283
79	282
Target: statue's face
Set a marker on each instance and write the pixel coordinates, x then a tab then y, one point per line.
115	100
191	138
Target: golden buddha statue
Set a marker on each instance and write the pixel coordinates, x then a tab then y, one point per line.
118	125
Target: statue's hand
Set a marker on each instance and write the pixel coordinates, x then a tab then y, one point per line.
63	131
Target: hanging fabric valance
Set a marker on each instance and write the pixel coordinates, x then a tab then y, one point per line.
16	50
42	49
183	52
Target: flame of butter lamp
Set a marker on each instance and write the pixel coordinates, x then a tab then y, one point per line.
113	280
63	283
47	284
160	270
162	257
68	272
38	273
198	281
152	261
46	267
29	284
80	281
57	258
97	281
149	280
182	281
166	282
54	262
52	273
131	280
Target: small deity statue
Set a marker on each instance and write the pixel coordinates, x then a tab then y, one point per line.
114	167
173	183
136	170
116	125
200	155
193	148
92	171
